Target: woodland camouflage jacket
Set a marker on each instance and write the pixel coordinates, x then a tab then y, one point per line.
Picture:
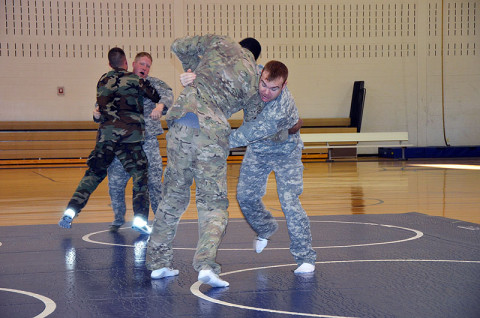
120	99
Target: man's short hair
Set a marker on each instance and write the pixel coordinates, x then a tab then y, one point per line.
252	45
116	57
142	54
276	69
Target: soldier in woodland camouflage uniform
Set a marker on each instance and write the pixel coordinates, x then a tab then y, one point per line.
121	133
282	154
117	176
197	147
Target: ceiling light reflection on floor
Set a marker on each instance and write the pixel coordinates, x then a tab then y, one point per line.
448	166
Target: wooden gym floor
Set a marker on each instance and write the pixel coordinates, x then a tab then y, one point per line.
447	188
393	238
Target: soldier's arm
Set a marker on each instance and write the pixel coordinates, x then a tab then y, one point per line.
276	117
293	130
157	111
260	128
97	114
253	108
190	49
166	99
149	90
166	94
104	93
253	105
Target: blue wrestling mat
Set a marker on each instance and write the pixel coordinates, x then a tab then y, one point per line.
390	265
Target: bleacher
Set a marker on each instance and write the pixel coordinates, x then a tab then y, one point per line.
28	142
53	142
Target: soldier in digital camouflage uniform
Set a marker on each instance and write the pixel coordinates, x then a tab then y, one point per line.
197	147
281	153
121	132
117	176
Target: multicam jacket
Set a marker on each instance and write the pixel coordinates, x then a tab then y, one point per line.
120	99
226	83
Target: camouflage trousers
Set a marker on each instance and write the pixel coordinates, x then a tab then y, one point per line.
133	159
118	178
191	156
252	187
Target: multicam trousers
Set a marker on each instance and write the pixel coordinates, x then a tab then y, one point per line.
191	156
133	159
252	186
118	178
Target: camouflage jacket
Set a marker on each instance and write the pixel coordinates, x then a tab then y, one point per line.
274	121
226	83
120	99
152	126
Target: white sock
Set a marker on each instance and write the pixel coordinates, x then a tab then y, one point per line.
139	222
305	268
67	218
140	225
260	244
164	272
70	213
207	276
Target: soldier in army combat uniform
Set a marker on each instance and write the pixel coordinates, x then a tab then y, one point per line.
197	147
121	133
281	153
117	176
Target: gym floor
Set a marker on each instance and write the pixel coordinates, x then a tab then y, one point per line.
390	264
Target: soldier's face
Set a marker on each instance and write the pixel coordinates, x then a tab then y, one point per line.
141	66
269	90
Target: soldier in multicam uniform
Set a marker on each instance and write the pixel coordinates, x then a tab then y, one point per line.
117	176
281	153
121	133
197	147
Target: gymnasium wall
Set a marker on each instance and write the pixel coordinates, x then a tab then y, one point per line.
394	46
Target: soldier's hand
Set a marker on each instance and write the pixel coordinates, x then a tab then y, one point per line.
187	78
96	113
296	127
157	112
